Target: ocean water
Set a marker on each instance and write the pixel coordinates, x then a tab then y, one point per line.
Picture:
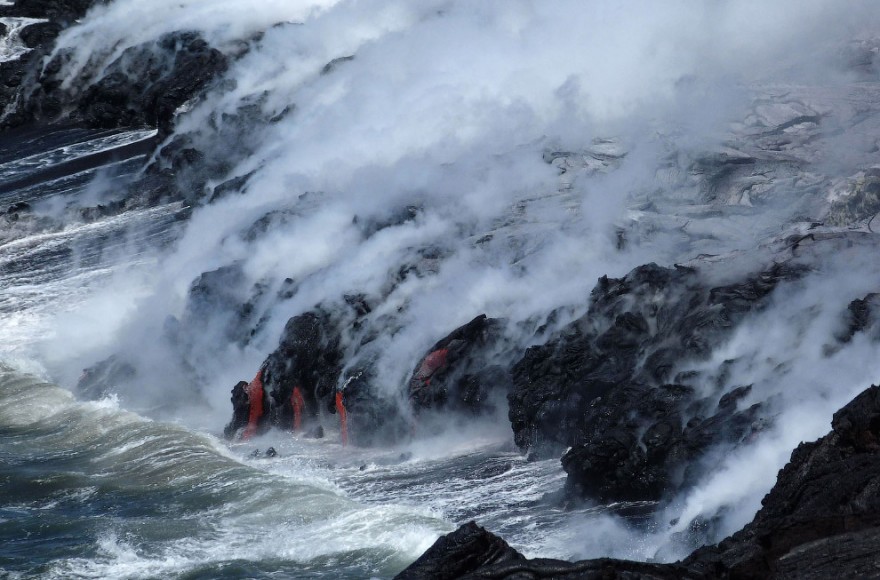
93	491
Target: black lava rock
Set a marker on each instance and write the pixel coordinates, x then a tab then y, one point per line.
296	379
169	72
820	520
603	385
457	372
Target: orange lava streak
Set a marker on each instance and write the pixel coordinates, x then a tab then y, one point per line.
255	400
343	418
431	364
296	399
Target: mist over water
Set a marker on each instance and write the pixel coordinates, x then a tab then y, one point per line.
450	158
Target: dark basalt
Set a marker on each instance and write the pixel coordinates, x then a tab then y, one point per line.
40	33
309	358
40	37
373	418
820	520
472	552
216	301
603	386
307	361
143	87
468	548
63	11
241	407
862	317
457	371
623	461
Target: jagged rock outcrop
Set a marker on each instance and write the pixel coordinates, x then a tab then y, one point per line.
457	372
820	520
604	385
303	377
216	303
144	86
294	382
35	37
862	317
454	555
63	11
371	417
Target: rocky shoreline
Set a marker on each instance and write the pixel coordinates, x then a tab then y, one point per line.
820	520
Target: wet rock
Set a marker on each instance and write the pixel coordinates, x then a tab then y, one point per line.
820	520
143	87
307	361
465	550
602	385
302	379
240	410
40	37
472	552
18	207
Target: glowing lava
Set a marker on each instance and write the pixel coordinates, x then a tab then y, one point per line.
255	400
298	403
343	419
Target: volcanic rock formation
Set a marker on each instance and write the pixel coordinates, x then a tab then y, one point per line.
604	385
820	520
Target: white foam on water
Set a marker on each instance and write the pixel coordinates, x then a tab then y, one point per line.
39	161
11	45
300	517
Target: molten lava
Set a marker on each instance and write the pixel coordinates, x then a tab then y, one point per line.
298	403
255	400
343	419
431	364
